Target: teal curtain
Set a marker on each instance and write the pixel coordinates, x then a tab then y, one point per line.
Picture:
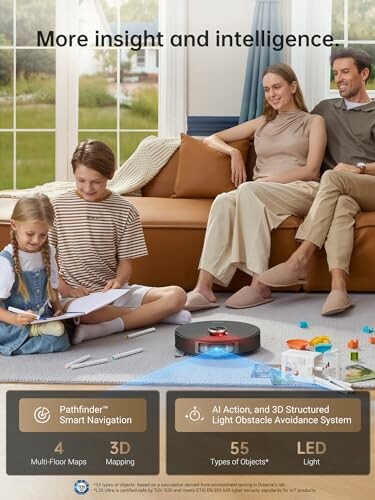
266	18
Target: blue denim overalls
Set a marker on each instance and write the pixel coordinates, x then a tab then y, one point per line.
15	339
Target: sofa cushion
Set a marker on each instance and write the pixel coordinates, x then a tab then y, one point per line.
172	213
202	171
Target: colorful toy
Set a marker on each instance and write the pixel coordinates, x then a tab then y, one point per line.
298	344
320	339
303	324
322	347
353	346
367	329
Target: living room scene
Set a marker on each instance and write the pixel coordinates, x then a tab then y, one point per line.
157	84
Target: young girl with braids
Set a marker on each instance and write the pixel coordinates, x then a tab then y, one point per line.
28	281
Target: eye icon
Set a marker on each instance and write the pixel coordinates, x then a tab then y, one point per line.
42	415
194	415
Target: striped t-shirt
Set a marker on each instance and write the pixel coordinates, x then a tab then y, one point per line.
91	237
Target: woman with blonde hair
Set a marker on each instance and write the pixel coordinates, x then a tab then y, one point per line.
290	145
28	282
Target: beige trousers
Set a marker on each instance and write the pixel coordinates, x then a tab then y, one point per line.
331	219
239	226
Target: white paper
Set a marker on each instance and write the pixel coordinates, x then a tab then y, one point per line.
87	304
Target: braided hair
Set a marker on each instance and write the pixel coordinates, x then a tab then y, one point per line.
34	208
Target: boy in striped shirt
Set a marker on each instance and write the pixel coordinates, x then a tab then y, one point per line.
97	234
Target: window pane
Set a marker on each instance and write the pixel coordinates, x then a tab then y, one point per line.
6	160
139	10
35	158
338	19
129	142
6	88
140	67
97	89
139	89
361	19
98	16
35	73
108	138
6	22
34	15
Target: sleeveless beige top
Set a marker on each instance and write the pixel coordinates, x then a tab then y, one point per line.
282	143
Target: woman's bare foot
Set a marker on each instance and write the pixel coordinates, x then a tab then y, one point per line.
206	292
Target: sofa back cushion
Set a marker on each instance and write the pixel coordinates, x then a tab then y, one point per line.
202	171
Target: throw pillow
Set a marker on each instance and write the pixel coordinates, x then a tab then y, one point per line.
202	171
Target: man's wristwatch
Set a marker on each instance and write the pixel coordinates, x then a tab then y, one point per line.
362	166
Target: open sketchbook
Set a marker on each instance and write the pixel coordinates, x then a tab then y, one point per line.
87	304
358	373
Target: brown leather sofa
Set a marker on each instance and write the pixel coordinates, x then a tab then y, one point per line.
174	230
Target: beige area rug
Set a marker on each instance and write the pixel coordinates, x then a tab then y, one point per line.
277	320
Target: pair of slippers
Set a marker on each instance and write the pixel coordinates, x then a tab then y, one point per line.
336	302
286	275
279	276
244	298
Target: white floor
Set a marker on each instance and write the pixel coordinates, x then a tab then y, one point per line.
278	321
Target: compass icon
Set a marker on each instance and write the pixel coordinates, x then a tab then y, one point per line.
194	415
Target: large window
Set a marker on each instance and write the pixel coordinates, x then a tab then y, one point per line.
51	98
118	87
27	94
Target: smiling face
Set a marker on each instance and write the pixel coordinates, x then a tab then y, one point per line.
279	93
350	82
91	185
30	236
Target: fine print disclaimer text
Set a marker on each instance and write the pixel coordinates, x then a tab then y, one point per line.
198	487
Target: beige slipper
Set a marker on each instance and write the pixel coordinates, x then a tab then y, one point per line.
246	297
281	275
196	302
336	302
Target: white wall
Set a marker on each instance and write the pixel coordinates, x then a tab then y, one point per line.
216	75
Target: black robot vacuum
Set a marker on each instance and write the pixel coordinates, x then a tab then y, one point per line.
229	336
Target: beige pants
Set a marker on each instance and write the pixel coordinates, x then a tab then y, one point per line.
240	223
331	219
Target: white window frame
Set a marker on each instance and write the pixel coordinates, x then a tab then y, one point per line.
172	107
67	79
312	63
172	70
